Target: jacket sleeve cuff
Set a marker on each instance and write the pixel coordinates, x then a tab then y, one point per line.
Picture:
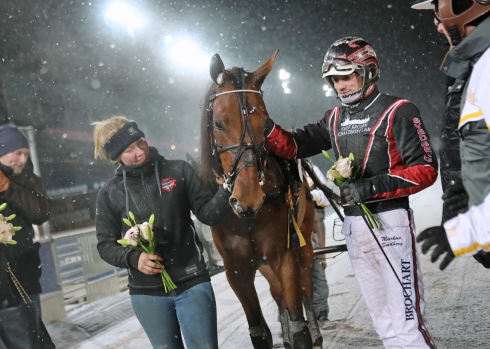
133	259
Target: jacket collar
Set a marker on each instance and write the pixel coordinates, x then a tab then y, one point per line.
137	170
461	59
363	103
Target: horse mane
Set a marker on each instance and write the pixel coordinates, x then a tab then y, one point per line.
206	169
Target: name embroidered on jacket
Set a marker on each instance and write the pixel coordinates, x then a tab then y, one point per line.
407	288
423	140
168	184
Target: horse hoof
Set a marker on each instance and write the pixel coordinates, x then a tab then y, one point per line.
318	344
302	339
261	342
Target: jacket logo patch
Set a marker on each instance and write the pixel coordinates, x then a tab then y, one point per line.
168	184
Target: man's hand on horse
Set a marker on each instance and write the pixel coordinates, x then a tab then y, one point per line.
357	191
269	126
436	236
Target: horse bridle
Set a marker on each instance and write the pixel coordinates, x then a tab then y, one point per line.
256	155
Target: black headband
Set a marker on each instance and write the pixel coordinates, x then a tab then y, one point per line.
122	139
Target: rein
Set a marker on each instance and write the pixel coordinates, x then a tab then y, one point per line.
251	153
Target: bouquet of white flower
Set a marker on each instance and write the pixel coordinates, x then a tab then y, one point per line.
7	230
142	238
343	171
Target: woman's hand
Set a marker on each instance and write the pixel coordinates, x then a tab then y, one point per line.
149	264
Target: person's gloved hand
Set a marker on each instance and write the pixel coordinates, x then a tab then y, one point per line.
436	236
269	126
319	197
4	182
222	193
357	191
456	199
483	258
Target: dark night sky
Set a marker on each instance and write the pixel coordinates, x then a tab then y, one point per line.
63	65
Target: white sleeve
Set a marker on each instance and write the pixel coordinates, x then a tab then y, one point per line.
469	232
319	174
320	198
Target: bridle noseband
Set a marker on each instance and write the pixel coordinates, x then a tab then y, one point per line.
254	157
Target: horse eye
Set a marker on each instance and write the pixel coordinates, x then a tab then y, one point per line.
251	111
218	125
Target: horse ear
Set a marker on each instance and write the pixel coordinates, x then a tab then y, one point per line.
216	68
261	73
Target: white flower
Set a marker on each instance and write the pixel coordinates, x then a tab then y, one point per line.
344	167
146	231
131	236
330	177
6	231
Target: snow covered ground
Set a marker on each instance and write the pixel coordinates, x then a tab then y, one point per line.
457	303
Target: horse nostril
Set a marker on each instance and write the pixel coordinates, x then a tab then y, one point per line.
235	204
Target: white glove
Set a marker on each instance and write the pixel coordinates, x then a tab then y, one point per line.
319	197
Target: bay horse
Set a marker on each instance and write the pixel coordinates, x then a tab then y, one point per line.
257	233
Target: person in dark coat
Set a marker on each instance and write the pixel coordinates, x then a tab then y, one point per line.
5	292
145	184
24	193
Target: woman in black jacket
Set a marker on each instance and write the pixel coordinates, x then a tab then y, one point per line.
146	183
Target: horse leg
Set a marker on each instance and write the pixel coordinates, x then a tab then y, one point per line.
240	272
242	282
289	274
316	336
276	292
305	257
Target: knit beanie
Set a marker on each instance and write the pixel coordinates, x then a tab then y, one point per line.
11	139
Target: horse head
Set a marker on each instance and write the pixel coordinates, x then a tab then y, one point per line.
234	133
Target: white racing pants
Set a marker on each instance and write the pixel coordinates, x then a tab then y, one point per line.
397	310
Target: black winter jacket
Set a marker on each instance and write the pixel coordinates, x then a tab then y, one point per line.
169	189
26	198
5	292
449	153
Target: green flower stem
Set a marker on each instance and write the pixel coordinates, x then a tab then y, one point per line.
372	219
168	284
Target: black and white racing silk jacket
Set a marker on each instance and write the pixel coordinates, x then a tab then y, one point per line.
387	137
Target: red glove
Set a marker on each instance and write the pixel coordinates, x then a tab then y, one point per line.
4	182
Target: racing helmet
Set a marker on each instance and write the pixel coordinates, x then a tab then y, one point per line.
455	15
348	55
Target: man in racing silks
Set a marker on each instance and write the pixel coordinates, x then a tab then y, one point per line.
466	25
392	151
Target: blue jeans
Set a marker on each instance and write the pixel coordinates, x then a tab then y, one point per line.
190	314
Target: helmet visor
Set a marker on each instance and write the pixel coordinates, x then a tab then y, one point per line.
338	66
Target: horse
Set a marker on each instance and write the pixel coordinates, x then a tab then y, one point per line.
260	230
